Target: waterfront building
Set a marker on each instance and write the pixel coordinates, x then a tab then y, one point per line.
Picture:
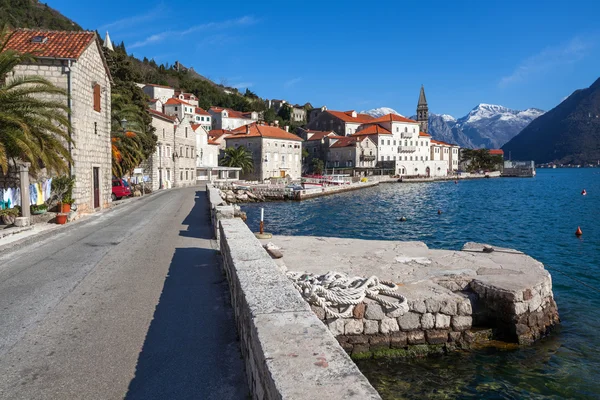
74	62
344	123
446	152
354	155
275	152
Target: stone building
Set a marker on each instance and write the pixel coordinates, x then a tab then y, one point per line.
449	153
344	123
74	62
173	164
275	152
355	155
224	118
159	92
298	113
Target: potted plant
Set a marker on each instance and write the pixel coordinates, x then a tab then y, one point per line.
38	210
65	205
62	190
9	215
61	218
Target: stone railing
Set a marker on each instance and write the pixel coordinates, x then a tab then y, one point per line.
288	352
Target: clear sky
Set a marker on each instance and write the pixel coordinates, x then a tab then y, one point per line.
360	55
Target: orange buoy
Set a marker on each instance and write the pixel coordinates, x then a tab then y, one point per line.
578	232
583	192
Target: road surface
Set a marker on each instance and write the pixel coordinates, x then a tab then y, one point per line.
129	304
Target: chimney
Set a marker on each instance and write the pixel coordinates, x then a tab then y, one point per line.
287	128
247	129
276	122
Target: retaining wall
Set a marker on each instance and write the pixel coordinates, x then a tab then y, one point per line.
288	352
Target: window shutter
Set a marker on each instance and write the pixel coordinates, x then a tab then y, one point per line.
97	98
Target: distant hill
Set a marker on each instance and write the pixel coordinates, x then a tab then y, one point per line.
567	134
33	14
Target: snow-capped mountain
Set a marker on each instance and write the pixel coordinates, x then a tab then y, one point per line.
380	112
491	126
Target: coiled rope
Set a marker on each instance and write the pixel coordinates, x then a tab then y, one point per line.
335	289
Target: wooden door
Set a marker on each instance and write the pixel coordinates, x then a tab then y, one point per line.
282	173
96	187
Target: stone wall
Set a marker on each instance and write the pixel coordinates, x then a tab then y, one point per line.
288	352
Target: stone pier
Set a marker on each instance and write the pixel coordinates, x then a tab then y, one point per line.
455	297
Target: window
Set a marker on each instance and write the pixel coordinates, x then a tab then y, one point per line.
186	131
96	128
267	157
283	159
397	129
406	142
388	158
168	151
410	158
97	98
296	157
186	175
180	151
394	142
163	133
175	108
187	152
168	174
406	129
181	175
389	142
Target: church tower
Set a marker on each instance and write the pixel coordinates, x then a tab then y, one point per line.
423	111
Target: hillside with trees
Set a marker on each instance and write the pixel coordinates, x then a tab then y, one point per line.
33	14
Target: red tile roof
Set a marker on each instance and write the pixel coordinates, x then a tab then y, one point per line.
393	118
373	129
211	141
65	45
440	142
346	141
200	111
423	134
173	101
217	133
318	135
162	115
497	152
346	116
271	132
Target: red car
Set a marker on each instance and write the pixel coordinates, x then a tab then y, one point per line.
120	189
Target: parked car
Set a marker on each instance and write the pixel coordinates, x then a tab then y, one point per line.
120	189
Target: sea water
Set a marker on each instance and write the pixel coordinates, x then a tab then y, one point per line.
538	216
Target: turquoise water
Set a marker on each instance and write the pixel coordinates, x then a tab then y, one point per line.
536	215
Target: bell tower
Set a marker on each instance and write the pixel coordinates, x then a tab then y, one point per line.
423	111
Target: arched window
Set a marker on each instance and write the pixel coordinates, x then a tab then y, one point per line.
405	129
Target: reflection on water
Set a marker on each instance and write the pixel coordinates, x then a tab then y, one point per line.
538	216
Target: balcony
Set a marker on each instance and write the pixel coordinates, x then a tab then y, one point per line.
402	149
364	157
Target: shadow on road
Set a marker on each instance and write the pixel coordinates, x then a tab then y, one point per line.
191	349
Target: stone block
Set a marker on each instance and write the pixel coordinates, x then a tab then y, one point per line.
520	308
396	312
348	347
436	336
428	321
343	338
442	321
353	326
359	311
319	311
358	339
432	305
415	337
398	340
527	294
521	329
461	323
378	342
535	303
448	307
336	326
371	327
374	311
410	321
465	308
389	325
417	306
454	336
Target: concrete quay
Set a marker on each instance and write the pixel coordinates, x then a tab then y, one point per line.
452	295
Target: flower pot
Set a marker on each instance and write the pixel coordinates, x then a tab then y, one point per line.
39	212
65	208
9	219
61	219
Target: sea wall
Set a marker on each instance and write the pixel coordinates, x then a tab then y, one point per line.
288	352
324	191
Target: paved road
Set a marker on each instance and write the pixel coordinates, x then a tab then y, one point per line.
130	304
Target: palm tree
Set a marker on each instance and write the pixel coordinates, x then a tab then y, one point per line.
126	141
238	157
33	128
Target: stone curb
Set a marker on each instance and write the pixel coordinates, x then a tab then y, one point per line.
78	222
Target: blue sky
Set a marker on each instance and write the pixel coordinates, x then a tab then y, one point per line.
361	55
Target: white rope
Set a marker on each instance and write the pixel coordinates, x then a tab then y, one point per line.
335	289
